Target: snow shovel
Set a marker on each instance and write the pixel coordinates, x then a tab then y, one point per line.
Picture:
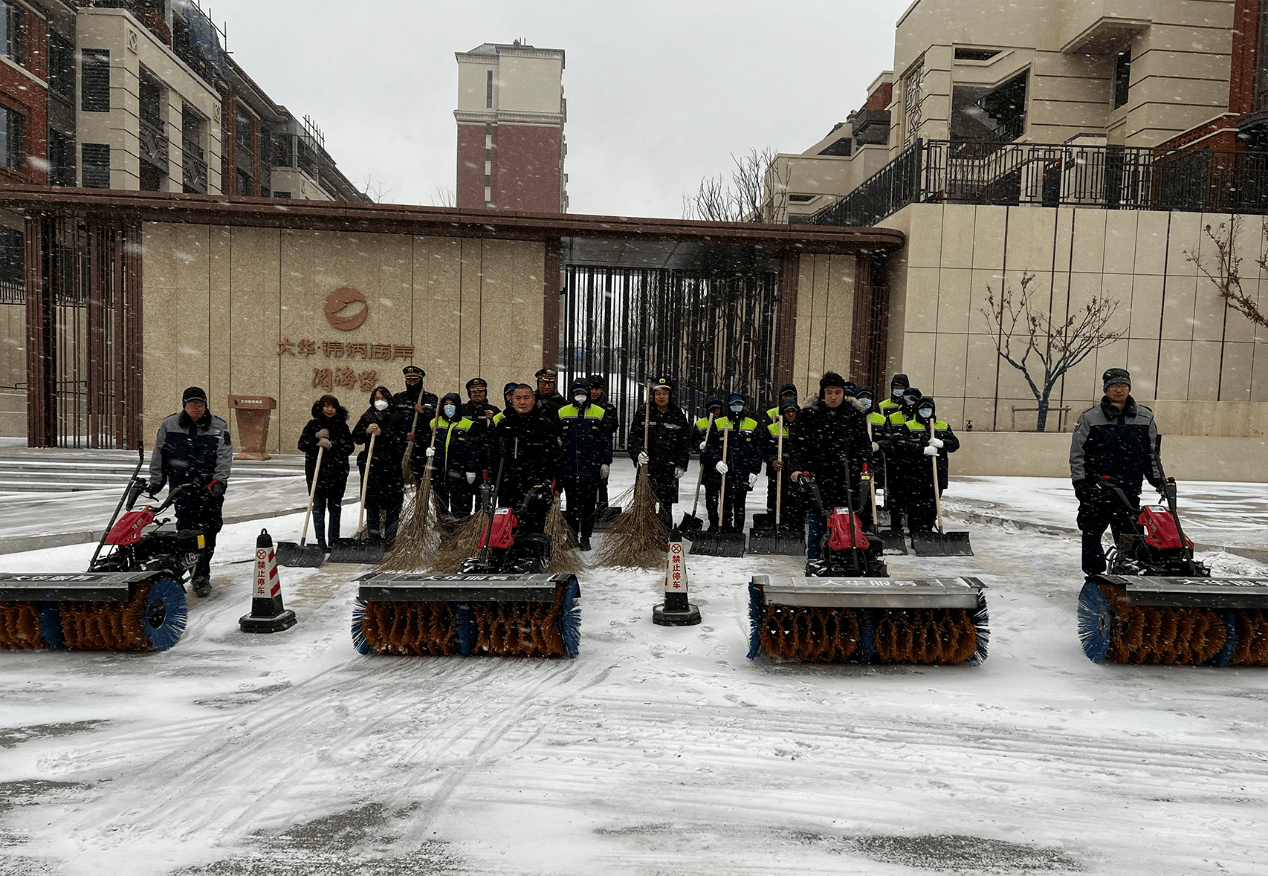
359	549
779	540
721	544
940	543
691	525
310	555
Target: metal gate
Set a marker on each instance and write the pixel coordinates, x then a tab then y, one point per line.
712	331
83	316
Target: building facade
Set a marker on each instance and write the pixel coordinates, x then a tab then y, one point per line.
511	113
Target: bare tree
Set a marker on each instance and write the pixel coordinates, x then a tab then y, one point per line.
444	197
738	199
375	191
1226	273
1027	337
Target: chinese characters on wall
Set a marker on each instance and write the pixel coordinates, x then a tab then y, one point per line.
363	379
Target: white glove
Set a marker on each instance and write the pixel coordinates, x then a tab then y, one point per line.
324	443
721	468
471	477
752	480
431	451
643	458
931	450
875	447
936	442
704	444
323	433
603	472
679	472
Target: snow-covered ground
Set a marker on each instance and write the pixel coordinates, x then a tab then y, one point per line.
657	750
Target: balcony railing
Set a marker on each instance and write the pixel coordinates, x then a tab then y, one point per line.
1058	175
153	145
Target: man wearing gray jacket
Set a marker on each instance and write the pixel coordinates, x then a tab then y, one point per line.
192	449
1115	444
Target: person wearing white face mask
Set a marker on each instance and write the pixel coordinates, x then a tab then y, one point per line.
921	437
587	445
385	487
454	458
741	463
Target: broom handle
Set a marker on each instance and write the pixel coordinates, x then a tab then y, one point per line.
409	447
425	488
647	417
365	481
312	494
700	474
937	496
871	481
779	475
726	433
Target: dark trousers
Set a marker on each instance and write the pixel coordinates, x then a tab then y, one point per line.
454	496
383	512
581	495
1094	518
733	507
666	494
711	501
326	504
201	510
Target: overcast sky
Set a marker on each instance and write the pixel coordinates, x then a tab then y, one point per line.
660	92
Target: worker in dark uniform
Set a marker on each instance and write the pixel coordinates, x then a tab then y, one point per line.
193	448
531	457
667	450
1115	444
547	396
587	446
598	389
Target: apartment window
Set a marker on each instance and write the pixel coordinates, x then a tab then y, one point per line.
61	67
1122	78
61	159
12	30
244	184
963	54
282	196
95	71
12	152
95	158
488	88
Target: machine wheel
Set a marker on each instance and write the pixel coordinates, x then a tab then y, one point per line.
165	615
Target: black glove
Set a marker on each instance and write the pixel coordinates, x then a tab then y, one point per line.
1088	490
152	489
216	488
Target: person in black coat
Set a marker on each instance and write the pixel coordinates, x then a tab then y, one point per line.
743	459
668	448
384	482
598	388
530	455
829	440
548	398
328	432
455	457
922	437
587	444
414	399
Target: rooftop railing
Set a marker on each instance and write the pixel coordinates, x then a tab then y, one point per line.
1057	175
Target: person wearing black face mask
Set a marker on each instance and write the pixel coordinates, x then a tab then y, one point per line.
919	437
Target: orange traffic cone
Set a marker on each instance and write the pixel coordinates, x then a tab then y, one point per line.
676	610
267	614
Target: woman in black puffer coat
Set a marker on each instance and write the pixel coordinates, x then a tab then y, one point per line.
327	431
385	489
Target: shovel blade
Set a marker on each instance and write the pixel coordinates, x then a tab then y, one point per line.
353	550
776	541
894	541
940	544
690	526
289	553
720	544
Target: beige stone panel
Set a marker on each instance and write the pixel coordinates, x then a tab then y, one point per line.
1211	315
1175	362
818	350
1063	238
920	312
956	299
950	410
841	290
1082	289
982	364
1182	230
187	256
1237	372
1031	235
1178	303
437	275
1144	308
1142	362
981	413
1120	241
989	230
919	362
1114	287
1088	255
1204	372
801	331
822	286
950	367
158	253
958	235
1151	242
1259	373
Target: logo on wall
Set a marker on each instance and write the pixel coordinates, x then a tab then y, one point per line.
342	311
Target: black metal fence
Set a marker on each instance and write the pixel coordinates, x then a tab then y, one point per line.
710	333
1065	175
